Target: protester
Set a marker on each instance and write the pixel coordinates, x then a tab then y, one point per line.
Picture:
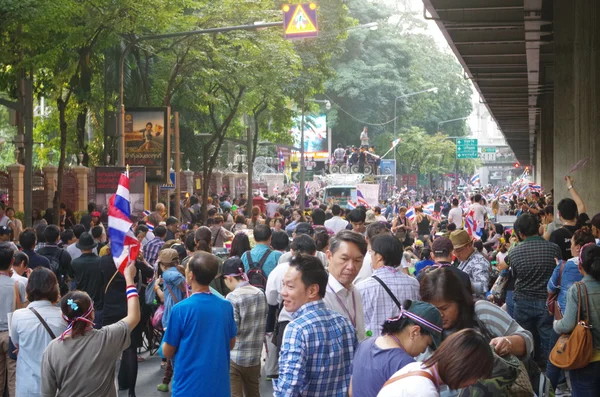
382	293
240	245
219	233
82	350
153	247
318	344
471	261
20	268
59	258
345	256
460	361
442	257
585	381
532	263
12	297
33	328
261	255
250	313
417	327
567	213
27	240
200	334
88	275
336	223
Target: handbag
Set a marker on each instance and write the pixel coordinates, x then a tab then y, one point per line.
499	288
150	293
552	299
157	317
574	350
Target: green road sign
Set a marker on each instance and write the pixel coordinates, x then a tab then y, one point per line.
466	148
308	176
488	150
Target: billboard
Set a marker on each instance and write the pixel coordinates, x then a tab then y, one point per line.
107	180
146	141
315	135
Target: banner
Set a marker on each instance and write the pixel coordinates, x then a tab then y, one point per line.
370	193
147	143
107	181
315	135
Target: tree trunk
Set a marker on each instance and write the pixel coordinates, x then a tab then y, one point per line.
62	106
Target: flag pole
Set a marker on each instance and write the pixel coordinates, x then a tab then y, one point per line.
127	170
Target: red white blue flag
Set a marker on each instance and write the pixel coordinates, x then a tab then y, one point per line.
124	246
361	199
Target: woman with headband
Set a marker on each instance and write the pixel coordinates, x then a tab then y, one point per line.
418	326
81	362
585	381
459	362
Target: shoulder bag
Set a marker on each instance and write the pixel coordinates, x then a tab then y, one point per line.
552	299
574	350
44	323
424	374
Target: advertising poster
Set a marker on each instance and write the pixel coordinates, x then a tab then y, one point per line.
315	134
146	141
107	180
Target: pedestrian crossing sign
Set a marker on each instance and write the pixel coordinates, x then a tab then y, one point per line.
300	21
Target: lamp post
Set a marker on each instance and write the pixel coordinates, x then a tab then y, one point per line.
455	138
433	89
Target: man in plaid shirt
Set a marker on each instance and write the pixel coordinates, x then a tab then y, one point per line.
153	247
250	313
318	345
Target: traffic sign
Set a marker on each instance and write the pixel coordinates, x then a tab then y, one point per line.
300	21
488	150
308	176
466	148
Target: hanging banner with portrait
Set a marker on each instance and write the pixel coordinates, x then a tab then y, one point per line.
147	141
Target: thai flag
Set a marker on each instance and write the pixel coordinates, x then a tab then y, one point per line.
350	205
395	142
497	191
524	189
276	189
123	244
281	160
475	179
145	213
150	226
428	209
533	186
361	199
410	214
306	188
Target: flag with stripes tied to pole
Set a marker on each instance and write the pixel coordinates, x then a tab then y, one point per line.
124	246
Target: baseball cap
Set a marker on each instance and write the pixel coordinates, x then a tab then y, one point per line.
596	221
233	267
96	214
427	317
442	246
168	255
460	238
304	228
4	230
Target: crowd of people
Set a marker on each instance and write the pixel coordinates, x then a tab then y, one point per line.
323	302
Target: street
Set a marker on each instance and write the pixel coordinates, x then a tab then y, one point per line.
150	375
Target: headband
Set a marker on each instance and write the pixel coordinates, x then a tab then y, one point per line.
73	321
240	273
582	248
417	319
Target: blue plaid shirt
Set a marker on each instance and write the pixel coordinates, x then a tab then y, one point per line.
152	249
316	353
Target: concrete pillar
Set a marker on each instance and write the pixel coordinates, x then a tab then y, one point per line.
189	181
545	146
218	182
577	98
82	188
17	172
232	186
51	178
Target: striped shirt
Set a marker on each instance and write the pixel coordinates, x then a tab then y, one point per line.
250	314
378	306
151	250
316	353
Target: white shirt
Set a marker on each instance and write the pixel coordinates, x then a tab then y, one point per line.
336	224
365	271
271	208
381	218
364	138
288	257
274	287
346	302
455	216
149	236
20	279
76	252
411	386
32	338
479	213
5	221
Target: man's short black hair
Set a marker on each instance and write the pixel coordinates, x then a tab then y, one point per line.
336	210
280	241
477	198
357	216
21	257
27	240
204	267
348	236
52	233
91	207
567	208
312	271
142	228
262	233
303	244
6	257
527	224
77	230
375	229
39	232
66	236
160	231
211	212
318	216
455	202
97	232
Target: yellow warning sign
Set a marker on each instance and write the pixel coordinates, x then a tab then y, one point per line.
299	22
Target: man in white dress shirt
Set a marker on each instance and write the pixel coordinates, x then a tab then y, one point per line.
336	223
346	253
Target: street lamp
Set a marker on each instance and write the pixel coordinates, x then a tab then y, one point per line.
187	164
80	158
108	159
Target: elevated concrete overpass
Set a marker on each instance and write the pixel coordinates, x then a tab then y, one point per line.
536	66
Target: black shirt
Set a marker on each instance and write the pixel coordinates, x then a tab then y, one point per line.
562	237
36	260
89	278
86	221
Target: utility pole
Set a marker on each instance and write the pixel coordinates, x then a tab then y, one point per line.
302	192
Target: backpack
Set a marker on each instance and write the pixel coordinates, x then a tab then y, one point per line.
54	260
255	273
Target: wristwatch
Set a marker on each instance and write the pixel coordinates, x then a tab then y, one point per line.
570	187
